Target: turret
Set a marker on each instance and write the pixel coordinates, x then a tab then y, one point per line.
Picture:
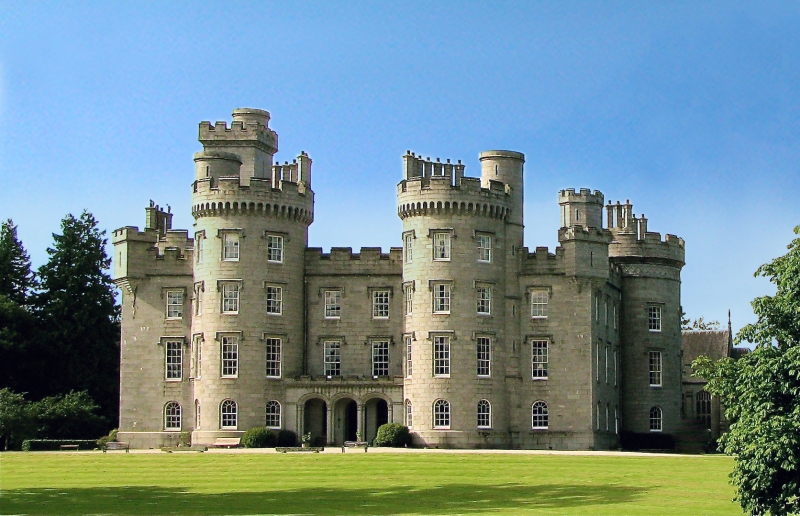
505	167
581	209
249	137
251	231
650	321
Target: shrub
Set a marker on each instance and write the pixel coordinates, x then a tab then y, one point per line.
259	437
287	438
55	444
393	435
112	436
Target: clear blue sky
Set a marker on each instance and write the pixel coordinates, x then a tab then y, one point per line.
688	109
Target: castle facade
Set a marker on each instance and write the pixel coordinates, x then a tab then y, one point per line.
462	333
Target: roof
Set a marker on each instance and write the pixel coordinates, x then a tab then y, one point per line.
713	344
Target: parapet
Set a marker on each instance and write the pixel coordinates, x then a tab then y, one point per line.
633	242
584	208
416	167
436	194
585	195
627	247
343	261
249	125
227	195
542	261
141	254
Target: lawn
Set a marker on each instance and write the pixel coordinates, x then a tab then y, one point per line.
66	483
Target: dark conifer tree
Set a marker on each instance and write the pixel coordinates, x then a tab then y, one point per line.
80	318
18	368
16	278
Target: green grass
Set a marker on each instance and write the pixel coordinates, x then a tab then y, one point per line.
358	483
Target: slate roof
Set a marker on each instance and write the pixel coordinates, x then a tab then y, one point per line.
713	344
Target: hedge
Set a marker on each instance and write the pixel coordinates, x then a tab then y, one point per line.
263	437
55	444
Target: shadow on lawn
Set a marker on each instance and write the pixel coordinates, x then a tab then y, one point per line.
446	499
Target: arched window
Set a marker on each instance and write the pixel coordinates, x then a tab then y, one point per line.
540	418
228	414
441	414
704	408
197	414
484	414
273	414
655	419
172	416
409	419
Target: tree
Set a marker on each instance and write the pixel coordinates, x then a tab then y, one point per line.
16	421
761	395
67	416
78	310
16	278
17	322
699	324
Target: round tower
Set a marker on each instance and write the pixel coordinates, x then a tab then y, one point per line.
650	322
251	231
455	259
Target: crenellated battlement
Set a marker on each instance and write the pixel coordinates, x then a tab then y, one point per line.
416	167
251	130
582	208
586	234
629	247
343	261
227	195
437	195
583	195
140	254
542	261
633	241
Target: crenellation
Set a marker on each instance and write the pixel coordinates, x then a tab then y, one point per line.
326	335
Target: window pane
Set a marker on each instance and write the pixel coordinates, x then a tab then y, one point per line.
539	415
274	300
380	358
274	248
273	419
441	414
441	356
484	248
484	356
380	304
174	304
273	357
539	299
484	300
654	318
230	356
333	304
230	250
484	414
539	358
333	358
655	368
172	416
174	351
441	246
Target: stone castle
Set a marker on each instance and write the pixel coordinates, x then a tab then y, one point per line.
462	334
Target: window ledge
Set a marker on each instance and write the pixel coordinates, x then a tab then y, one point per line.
173	380
539	379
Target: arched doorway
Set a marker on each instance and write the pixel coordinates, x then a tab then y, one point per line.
345	420
315	413
376	413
